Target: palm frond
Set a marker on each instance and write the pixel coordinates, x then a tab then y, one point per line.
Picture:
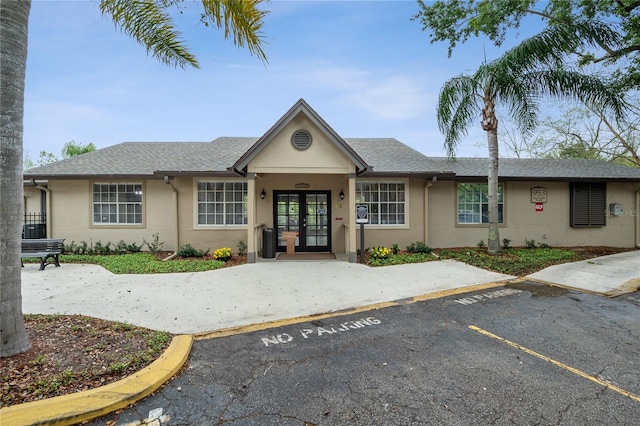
151	26
591	90
242	19
521	99
458	106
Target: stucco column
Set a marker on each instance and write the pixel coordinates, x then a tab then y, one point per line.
353	249
425	213
251	218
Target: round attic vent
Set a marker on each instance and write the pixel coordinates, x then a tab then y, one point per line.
301	140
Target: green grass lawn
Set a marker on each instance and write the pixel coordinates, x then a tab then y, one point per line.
512	261
143	263
518	261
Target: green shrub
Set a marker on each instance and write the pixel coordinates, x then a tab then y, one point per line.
480	244
395	249
133	248
242	248
102	249
418	247
155	245
506	243
188	250
83	248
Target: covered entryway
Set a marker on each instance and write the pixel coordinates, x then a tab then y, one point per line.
306	212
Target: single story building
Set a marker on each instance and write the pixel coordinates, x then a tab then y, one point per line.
301	176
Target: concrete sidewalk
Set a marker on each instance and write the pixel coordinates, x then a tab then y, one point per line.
266	291
248	294
608	275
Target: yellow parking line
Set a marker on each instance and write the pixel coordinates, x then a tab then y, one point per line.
557	363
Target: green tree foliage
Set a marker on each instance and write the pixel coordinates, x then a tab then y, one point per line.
72	149
604	31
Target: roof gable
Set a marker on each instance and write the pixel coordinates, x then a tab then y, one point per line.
300	107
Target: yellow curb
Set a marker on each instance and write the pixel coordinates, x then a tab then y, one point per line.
630	286
350	311
78	407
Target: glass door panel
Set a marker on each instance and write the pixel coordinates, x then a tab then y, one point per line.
307	213
287	215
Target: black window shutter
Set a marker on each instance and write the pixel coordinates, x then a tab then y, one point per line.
588	204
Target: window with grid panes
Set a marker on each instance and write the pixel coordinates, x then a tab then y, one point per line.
473	203
117	203
222	203
386	201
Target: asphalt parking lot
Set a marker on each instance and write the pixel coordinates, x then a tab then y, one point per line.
521	354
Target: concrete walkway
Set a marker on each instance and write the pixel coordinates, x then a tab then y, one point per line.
199	302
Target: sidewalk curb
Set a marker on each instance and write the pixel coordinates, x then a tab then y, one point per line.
75	408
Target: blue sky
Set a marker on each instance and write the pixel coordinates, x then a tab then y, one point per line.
364	66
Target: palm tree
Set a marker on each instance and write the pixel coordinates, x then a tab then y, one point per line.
72	149
148	22
518	80
14	16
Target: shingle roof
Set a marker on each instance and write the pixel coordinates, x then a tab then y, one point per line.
389	155
384	155
540	168
145	158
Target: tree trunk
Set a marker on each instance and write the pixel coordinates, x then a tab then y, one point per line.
490	125
14	19
494	236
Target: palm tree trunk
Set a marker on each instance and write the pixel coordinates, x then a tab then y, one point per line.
490	125
14	19
494	236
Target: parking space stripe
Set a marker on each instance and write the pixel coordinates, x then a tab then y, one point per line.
557	363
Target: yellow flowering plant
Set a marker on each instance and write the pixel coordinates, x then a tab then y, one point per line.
223	254
380	253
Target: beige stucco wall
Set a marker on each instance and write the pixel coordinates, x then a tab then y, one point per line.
204	237
279	156
71	214
32	199
522	222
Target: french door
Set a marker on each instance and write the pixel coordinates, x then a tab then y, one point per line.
306	212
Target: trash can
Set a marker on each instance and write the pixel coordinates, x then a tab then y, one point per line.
269	240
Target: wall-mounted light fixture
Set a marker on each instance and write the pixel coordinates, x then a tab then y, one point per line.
263	194
341	194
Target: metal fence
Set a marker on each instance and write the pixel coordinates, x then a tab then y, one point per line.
35	226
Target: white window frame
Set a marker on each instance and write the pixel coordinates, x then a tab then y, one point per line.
479	199
380	198
212	202
121	203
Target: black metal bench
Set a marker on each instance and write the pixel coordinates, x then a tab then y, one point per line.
43	249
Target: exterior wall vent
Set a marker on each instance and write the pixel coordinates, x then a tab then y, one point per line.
301	140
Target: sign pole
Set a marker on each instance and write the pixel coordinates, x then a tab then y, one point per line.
362	217
362	243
